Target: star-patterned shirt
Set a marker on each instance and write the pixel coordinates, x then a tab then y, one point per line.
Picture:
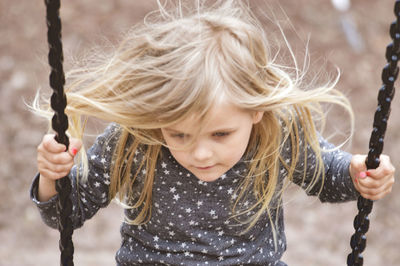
191	221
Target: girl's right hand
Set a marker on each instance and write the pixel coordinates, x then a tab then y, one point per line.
54	162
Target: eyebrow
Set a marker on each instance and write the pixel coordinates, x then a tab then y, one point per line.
172	130
228	129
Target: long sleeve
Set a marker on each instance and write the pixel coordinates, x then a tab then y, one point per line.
87	197
337	185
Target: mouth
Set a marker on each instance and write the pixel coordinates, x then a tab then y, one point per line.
205	168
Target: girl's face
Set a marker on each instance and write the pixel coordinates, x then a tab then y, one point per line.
218	146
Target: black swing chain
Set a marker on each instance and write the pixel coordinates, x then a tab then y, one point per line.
386	92
60	125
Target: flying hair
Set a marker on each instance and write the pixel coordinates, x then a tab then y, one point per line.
183	59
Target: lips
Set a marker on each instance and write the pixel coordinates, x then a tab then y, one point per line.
205	168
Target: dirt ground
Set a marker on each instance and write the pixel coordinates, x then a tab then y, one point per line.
318	234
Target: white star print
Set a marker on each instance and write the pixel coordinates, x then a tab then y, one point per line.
201	202
176	197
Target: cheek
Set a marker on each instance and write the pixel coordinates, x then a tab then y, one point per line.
179	156
233	156
237	146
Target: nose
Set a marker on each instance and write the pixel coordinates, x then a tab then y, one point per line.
202	151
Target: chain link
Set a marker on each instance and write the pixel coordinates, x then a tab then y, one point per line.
390	72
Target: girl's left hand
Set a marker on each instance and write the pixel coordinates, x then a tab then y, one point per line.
372	184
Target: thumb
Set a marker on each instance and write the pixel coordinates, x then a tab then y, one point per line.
74	146
357	165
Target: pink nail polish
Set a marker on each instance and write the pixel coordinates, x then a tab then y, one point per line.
362	175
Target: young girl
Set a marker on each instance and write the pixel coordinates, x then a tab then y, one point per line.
206	131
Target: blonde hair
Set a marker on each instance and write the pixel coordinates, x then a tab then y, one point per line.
179	64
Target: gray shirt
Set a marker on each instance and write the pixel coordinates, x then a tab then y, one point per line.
191	221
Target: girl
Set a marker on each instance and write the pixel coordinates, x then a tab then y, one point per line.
206	133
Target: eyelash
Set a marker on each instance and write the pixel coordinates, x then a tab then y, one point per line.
179	136
221	134
217	134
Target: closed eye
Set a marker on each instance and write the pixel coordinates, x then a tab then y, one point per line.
221	134
178	135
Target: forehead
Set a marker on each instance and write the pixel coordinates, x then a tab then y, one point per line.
222	115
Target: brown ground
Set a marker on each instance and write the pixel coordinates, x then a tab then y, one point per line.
318	234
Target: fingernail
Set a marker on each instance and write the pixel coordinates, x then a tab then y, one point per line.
356	179
74	151
368	173
362	175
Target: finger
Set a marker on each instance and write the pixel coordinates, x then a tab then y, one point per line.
51	175
372	187
54	163
60	158
74	146
357	165
51	145
378	196
53	151
52	171
385	168
373	183
54	167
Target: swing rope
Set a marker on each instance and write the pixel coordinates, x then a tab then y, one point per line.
60	125
390	72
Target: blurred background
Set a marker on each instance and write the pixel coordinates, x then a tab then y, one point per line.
352	38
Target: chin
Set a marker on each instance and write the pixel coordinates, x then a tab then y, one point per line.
207	177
